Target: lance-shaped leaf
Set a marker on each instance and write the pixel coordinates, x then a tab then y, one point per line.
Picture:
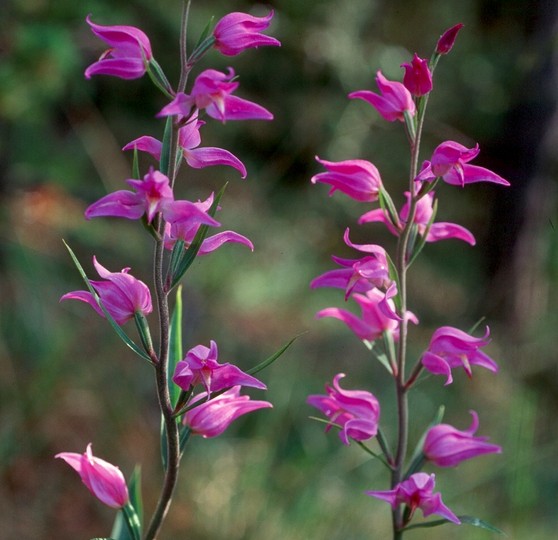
175	346
467	520
268	361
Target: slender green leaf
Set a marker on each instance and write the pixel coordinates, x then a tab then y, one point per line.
467	520
116	327
268	361
411	124
476	325
132	521
427	524
135	165
142	327
192	251
163	443
386	204
476	522
383	359
175	346
134	490
159	79
166	149
184	436
205	32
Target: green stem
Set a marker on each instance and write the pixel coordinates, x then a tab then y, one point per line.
163	395
402	266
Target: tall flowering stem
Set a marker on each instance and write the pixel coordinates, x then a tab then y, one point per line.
203	397
414	126
380	288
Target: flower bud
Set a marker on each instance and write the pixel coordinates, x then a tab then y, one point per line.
447	39
417	78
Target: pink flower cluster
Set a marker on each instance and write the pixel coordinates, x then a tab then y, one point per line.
374	282
176	224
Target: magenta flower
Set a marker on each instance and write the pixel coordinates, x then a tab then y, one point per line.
237	32
446	446
357	178
189	140
104	480
212	91
450	162
452	348
211	418
417	78
393	102
121	294
200	366
417	492
359	275
447	39
153	195
186	229
438	231
129	53
356	411
374	321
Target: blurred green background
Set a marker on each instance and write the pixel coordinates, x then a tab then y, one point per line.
67	380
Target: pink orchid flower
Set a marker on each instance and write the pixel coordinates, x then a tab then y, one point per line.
237	32
417	492
189	140
450	162
357	178
153	195
212	91
447	39
121	294
213	417
129	53
446	446
417	78
452	348
356	411
393	102
200	366
358	275
373	322
186	229
438	231
101	478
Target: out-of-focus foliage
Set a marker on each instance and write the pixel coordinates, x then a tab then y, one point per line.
66	380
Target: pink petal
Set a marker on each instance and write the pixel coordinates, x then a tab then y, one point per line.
216	241
124	204
445	231
207	157
146	144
